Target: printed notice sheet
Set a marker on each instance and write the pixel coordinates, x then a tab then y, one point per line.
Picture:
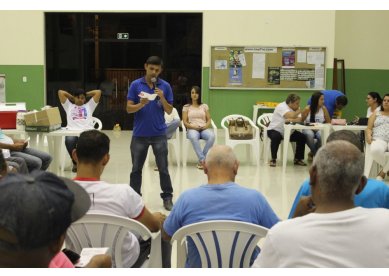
319	77
301	56
315	58
258	66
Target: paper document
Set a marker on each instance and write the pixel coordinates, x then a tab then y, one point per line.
145	95
87	254
259	62
301	56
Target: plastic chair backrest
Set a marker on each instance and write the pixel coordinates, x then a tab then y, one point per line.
96	123
220	243
263	122
101	230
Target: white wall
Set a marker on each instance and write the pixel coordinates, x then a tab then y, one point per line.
362	39
22	38
269	28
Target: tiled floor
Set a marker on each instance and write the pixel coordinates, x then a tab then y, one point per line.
279	189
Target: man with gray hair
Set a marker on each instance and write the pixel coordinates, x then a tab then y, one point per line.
287	112
374	195
337	234
220	199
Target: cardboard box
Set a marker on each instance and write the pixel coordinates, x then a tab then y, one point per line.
43	128
47	117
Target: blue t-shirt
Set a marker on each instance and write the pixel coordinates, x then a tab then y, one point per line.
227	201
329	100
149	120
374	195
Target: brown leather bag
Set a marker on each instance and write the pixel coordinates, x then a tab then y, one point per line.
240	129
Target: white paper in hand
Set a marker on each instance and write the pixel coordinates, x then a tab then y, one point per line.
87	254
145	95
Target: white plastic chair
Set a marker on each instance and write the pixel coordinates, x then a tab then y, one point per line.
101	230
186	143
263	122
369	160
96	124
220	243
254	143
174	142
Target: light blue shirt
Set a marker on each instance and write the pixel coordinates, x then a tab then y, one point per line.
374	195
227	201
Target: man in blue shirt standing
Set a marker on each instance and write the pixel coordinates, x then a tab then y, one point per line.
149	97
333	100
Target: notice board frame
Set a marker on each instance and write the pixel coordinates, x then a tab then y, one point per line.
268	68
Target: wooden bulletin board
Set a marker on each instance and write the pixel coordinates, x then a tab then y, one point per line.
258	67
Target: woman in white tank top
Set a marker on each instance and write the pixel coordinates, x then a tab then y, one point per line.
377	135
315	113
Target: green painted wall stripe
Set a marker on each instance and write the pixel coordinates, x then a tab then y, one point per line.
359	82
32	92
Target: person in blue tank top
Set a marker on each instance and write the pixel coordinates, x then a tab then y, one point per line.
149	97
333	100
374	195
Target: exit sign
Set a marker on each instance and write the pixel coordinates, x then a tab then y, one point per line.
122	36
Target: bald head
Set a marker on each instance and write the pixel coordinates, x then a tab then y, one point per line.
221	164
339	168
220	156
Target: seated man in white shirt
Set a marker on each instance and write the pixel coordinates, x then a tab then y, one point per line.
78	114
337	234
286	112
92	155
172	121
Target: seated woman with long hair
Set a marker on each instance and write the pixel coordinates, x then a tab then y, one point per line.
197	120
315	113
374	102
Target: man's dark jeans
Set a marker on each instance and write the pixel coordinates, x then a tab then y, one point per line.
139	148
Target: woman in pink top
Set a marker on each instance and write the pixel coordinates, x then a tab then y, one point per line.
197	120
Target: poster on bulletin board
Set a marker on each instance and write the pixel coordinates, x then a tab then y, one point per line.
260	67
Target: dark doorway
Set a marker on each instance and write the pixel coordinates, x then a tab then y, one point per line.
107	51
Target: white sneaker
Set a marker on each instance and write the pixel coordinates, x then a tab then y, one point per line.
379	178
